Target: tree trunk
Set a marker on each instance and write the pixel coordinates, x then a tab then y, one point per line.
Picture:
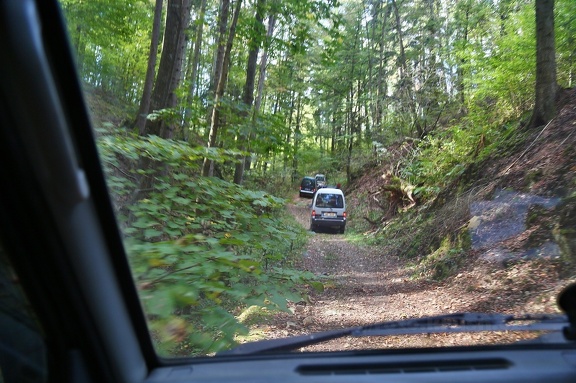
208	165
263	64
351	104
80	46
168	79
261	80
140	122
170	69
405	89
462	62
248	91
382	71
402	58
546	86
195	62
297	135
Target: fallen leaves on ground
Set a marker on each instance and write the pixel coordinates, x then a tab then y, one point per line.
364	285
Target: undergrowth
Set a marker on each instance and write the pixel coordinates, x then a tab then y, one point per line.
443	169
202	250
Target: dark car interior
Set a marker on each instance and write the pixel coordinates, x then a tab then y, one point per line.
84	322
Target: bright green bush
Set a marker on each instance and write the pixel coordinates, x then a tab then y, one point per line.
201	249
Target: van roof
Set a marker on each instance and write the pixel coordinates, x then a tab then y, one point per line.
330	191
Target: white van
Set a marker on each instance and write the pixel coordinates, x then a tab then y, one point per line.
328	210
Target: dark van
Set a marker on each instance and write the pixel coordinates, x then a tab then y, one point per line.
308	187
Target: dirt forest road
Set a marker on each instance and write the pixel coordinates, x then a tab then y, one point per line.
364	286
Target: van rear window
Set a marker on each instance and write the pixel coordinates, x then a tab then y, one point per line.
307	183
330	200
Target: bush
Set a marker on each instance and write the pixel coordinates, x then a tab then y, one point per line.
201	249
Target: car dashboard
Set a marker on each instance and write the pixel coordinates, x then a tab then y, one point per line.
512	364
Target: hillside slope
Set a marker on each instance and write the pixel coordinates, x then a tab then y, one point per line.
516	207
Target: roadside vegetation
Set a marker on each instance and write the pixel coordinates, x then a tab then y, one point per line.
419	109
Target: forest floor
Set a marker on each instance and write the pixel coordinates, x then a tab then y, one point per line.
364	286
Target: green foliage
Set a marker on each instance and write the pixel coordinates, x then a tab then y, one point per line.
565	22
337	68
111	39
445	260
437	160
202	249
444	156
502	83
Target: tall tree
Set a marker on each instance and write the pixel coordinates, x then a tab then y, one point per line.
381	83
167	81
261	79
256	38
263	64
140	122
193	66
546	86
170	70
463	23
222	66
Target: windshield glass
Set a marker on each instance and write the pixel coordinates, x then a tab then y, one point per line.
434	118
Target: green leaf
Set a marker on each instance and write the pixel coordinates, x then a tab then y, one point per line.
317	286
151	233
279	301
159	302
181	200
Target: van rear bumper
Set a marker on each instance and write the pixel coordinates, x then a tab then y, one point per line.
328	222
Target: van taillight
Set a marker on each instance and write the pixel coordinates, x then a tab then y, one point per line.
313	213
344	214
